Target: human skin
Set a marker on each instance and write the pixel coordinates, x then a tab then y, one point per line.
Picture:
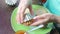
27	4
45	19
23	4
21	9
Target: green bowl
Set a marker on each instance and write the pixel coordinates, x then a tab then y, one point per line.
16	27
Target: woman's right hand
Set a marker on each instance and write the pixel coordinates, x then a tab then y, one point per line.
21	9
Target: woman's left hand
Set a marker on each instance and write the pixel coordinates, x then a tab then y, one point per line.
43	19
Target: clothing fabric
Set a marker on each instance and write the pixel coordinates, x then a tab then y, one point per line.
54	7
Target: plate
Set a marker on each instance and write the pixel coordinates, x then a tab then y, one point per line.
16	27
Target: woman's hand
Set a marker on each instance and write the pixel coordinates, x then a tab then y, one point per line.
21	9
43	19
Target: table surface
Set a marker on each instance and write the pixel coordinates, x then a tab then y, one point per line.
5	15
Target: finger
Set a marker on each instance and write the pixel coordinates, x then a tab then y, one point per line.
18	15
21	18
42	16
21	13
24	16
43	21
31	10
39	17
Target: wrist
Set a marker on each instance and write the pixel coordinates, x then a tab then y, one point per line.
57	19
52	18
